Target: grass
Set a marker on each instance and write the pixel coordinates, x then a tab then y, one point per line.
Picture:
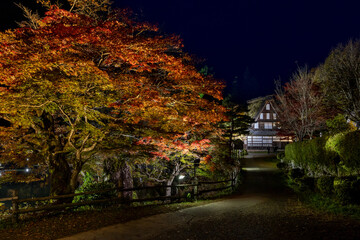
322	203
329	205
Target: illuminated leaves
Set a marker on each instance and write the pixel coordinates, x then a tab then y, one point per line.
76	79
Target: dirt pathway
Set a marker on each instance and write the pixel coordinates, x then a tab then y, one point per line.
264	209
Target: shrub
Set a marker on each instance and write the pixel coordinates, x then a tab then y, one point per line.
308	183
337	124
343	190
293	152
245	152
325	185
298	181
281	165
347	146
91	185
312	156
296	173
280	155
301	185
355	187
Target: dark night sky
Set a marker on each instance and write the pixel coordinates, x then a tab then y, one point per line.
256	40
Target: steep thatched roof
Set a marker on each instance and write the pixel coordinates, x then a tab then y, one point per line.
256	104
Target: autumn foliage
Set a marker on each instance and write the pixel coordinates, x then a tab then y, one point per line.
68	84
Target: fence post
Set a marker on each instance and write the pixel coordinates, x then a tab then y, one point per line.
233	181
15	207
171	190
196	192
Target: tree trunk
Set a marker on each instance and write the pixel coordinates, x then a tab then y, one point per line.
74	178
60	176
122	177
169	183
59	169
127	181
231	139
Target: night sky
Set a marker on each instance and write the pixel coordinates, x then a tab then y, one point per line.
251	41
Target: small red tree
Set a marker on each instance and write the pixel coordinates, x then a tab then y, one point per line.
299	105
172	157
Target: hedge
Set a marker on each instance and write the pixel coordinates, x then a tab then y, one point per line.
325	185
312	156
326	155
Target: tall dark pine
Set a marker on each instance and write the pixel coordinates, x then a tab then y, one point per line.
237	125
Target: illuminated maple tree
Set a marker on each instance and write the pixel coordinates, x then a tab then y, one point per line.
172	157
68	84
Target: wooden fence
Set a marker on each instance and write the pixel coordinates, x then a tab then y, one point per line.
196	191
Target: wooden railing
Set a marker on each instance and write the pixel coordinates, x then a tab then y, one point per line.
196	189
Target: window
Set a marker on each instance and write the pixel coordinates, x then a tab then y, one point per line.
261	116
256	125
267	139
274	115
268	125
267	106
267	115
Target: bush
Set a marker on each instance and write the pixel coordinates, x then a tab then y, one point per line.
280	155
325	185
343	190
245	152
312	156
301	185
355	187
91	185
281	165
298	181
293	152
346	146
296	173
337	124
308	183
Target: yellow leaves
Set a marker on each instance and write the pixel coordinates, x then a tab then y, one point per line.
46	47
81	65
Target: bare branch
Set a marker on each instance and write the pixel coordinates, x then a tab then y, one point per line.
32	18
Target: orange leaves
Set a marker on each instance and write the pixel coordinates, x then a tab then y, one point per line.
56	15
167	147
73	64
207	159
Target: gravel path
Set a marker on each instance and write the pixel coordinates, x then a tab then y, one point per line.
264	209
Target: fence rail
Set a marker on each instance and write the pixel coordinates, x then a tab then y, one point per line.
8	199
15	212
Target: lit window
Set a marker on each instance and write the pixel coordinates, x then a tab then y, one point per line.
261	116
256	125
267	115
268	125
274	115
267	106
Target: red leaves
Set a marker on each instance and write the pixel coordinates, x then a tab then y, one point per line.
56	15
180	144
151	80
